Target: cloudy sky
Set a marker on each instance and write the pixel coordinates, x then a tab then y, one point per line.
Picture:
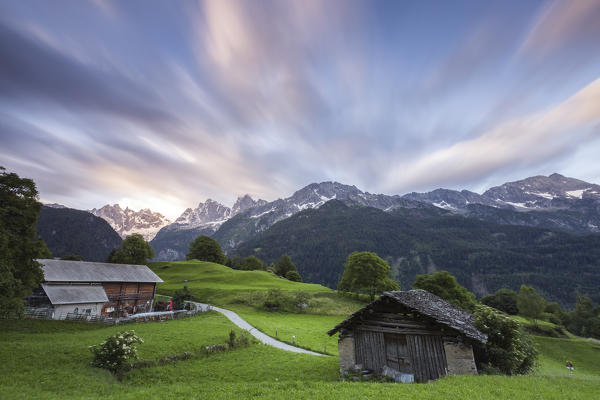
163	104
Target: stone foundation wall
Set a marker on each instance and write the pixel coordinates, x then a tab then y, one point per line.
346	354
460	359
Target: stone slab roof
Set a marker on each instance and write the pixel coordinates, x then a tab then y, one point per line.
74	294
427	304
83	271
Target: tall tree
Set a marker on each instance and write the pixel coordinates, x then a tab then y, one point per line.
133	250
444	285
503	300
205	248
366	272
284	265
531	305
253	263
19	272
584	320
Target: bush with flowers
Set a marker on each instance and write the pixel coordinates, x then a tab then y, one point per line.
115	353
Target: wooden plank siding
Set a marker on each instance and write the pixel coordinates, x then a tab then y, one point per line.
370	349
428	355
127	296
405	342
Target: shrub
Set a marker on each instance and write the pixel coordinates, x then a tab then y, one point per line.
115	353
275	299
235	342
180	298
508	349
301	299
293	276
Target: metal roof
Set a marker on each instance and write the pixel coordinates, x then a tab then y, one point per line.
83	271
424	303
73	294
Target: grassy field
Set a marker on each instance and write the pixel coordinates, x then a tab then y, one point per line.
310	330
50	360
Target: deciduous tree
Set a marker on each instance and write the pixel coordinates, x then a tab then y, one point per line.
503	300
19	212
252	263
531	305
444	285
205	248
366	272
283	265
133	250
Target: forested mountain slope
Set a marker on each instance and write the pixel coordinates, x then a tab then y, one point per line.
483	256
69	231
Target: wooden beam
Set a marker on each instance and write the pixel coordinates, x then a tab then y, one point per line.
400	331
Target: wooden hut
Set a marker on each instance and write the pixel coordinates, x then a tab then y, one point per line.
409	335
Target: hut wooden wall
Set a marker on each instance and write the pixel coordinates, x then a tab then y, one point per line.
428	357
421	355
370	349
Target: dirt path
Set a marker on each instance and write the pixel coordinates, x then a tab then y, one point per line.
241	323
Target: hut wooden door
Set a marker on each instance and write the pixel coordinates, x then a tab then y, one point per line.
370	349
397	355
428	355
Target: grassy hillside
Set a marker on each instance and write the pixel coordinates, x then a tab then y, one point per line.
50	360
220	284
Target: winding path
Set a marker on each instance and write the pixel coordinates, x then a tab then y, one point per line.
241	323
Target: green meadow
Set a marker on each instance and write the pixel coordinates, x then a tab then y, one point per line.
51	359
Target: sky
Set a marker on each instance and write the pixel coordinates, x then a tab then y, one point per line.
163	104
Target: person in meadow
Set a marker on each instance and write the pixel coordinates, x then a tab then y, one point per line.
570	366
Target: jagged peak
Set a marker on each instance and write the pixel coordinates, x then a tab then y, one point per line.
556	176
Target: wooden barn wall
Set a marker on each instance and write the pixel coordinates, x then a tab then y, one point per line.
127	296
370	349
401	340
428	356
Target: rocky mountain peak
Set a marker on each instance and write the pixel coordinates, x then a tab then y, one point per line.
244	203
209	212
127	221
543	191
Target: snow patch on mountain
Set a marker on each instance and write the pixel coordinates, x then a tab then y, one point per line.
578	194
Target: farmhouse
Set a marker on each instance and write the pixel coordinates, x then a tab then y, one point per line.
79	288
410	336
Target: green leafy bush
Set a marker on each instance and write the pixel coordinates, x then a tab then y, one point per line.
180	297
275	300
115	353
508	349
293	276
